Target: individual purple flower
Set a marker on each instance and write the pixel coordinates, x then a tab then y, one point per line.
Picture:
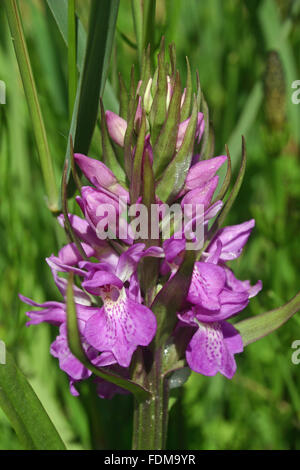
99	175
91	245
233	239
200	173
52	312
212	347
103	211
210	295
122	324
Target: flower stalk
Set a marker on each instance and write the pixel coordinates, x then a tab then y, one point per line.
150	419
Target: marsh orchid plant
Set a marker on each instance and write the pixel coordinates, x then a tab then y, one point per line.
140	306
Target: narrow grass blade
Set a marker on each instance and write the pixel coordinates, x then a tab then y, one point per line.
103	17
72	67
59	10
25	412
23	59
98	51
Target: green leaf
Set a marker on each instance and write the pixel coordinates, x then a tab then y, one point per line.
205	149
77	350
102	24
158	109
123	98
97	56
25	412
149	267
136	180
226	182
186	107
39	130
137	13
232	197
174	176
165	146
72	69
254	328
170	299
59	10
129	134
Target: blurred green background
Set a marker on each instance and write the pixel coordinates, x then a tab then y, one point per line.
248	54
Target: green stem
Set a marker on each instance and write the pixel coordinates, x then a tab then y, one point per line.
151	416
23	59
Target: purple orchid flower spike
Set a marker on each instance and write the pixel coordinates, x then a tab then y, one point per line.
144	310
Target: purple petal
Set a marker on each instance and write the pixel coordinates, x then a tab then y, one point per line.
99	175
241	286
120	326
233	302
128	261
53	312
67	362
99	280
83	231
57	265
80	296
233	239
116	127
102	211
232	338
203	171
208	352
212	211
208	281
183	127
104	359
200	196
